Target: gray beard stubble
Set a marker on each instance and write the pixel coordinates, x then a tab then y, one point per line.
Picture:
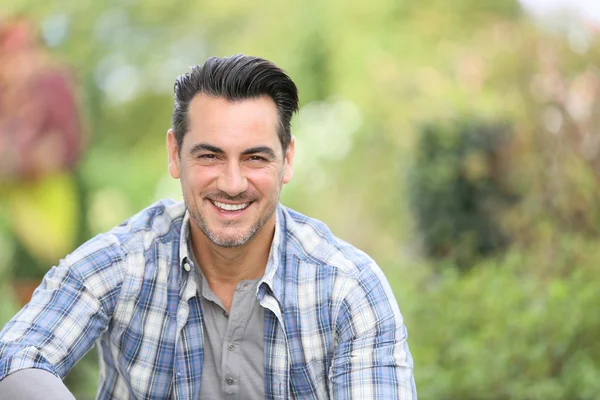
231	242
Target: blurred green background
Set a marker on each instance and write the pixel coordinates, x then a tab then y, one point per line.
456	142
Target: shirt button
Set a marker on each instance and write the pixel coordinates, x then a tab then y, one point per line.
187	267
225	314
229	381
232	347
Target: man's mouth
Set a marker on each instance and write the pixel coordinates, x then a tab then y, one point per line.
230	207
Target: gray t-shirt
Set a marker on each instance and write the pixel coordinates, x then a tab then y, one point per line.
233	365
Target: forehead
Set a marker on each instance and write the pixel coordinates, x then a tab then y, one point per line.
241	123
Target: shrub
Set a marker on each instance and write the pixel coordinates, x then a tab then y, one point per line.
523	326
456	191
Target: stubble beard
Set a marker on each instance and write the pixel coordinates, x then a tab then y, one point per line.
230	241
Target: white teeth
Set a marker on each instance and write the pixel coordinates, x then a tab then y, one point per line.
231	207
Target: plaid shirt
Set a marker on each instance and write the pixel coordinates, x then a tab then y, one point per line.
332	325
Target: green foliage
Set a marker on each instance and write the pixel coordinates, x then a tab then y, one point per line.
518	326
455	190
522	326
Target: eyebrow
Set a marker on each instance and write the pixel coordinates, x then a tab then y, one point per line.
260	149
214	149
205	147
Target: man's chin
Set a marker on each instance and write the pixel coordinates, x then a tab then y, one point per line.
229	242
228	239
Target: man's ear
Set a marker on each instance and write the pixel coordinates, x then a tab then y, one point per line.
173	151
288	172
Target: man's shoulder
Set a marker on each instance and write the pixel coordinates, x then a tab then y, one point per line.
313	242
160	221
157	220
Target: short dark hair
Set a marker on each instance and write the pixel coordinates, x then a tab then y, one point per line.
236	78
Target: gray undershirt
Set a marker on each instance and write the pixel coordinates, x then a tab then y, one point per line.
233	365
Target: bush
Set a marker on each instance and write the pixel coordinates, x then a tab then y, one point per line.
519	327
456	191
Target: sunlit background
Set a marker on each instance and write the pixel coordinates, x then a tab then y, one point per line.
457	142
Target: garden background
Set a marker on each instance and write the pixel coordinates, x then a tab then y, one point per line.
457	142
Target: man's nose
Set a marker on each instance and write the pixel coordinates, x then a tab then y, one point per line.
232	180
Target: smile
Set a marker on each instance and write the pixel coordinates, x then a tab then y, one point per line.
230	207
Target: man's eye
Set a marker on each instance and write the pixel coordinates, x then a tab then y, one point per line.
207	157
257	158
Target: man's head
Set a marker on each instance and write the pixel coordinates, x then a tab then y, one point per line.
231	146
236	78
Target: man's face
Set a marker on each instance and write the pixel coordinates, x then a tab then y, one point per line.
231	166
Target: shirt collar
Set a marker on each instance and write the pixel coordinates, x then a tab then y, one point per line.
273	272
183	240
276	254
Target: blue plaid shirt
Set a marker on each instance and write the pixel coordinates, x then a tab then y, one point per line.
332	325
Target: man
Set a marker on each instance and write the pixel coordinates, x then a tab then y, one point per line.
229	294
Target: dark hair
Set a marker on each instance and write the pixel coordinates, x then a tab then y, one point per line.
235	78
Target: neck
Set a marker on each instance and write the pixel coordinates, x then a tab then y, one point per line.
228	266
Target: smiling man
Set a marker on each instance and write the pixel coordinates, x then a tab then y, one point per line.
226	295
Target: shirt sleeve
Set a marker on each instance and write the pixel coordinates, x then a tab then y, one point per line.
67	312
34	384
371	358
